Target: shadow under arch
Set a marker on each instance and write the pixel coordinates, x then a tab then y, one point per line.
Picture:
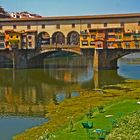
58	38
73	38
37	61
43	39
6	61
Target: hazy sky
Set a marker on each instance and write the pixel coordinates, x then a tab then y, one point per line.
72	7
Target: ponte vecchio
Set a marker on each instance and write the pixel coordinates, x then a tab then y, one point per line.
26	42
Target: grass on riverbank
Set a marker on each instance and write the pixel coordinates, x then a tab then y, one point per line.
99	120
78	107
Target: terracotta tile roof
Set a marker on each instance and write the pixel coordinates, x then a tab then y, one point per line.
108	16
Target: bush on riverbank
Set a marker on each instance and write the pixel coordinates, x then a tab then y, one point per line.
129	128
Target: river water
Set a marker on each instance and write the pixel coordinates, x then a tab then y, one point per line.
25	94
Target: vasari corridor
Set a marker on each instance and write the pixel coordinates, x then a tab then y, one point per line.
70	70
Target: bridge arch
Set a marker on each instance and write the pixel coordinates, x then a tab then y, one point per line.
73	38
43	39
107	58
58	38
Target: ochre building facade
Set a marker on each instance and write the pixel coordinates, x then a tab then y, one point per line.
98	31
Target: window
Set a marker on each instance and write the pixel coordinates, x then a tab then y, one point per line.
30	44
0	27
109	44
92	43
127	44
43	26
93	36
28	26
88	25
137	44
122	24
23	44
119	44
84	37
110	30
127	35
136	36
99	44
73	25
118	37
29	37
84	43
11	36
2	38
118	30
14	26
17	36
111	36
2	45
105	24
58	26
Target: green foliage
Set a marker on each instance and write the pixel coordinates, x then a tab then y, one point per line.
46	136
129	128
101	109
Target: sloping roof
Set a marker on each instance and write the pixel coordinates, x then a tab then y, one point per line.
4	15
108	16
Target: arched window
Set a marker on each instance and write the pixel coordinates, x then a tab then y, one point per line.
43	38
73	38
58	38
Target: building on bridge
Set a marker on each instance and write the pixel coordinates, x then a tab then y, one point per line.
87	31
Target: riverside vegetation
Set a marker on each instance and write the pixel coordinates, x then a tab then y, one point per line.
65	119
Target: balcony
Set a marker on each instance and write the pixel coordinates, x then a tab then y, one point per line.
111	37
100	36
136	36
119	37
127	37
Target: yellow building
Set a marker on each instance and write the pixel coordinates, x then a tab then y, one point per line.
12	39
28	39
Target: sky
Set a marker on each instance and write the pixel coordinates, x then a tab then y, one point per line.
72	7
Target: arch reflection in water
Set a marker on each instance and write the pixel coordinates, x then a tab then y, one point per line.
29	92
129	66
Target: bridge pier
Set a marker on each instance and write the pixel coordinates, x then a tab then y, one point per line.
105	59
19	59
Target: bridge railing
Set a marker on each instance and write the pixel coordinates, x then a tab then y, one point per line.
47	47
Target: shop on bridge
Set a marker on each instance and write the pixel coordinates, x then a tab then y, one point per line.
2	41
20	40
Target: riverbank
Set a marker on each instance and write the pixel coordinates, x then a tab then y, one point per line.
128	128
104	121
77	107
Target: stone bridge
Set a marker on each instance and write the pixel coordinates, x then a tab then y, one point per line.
102	58
107	58
34	58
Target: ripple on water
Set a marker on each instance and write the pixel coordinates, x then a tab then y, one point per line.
11	125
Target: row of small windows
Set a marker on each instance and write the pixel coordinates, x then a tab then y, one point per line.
73	25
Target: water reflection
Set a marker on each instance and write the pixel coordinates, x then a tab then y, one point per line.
28	92
12	125
130	66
